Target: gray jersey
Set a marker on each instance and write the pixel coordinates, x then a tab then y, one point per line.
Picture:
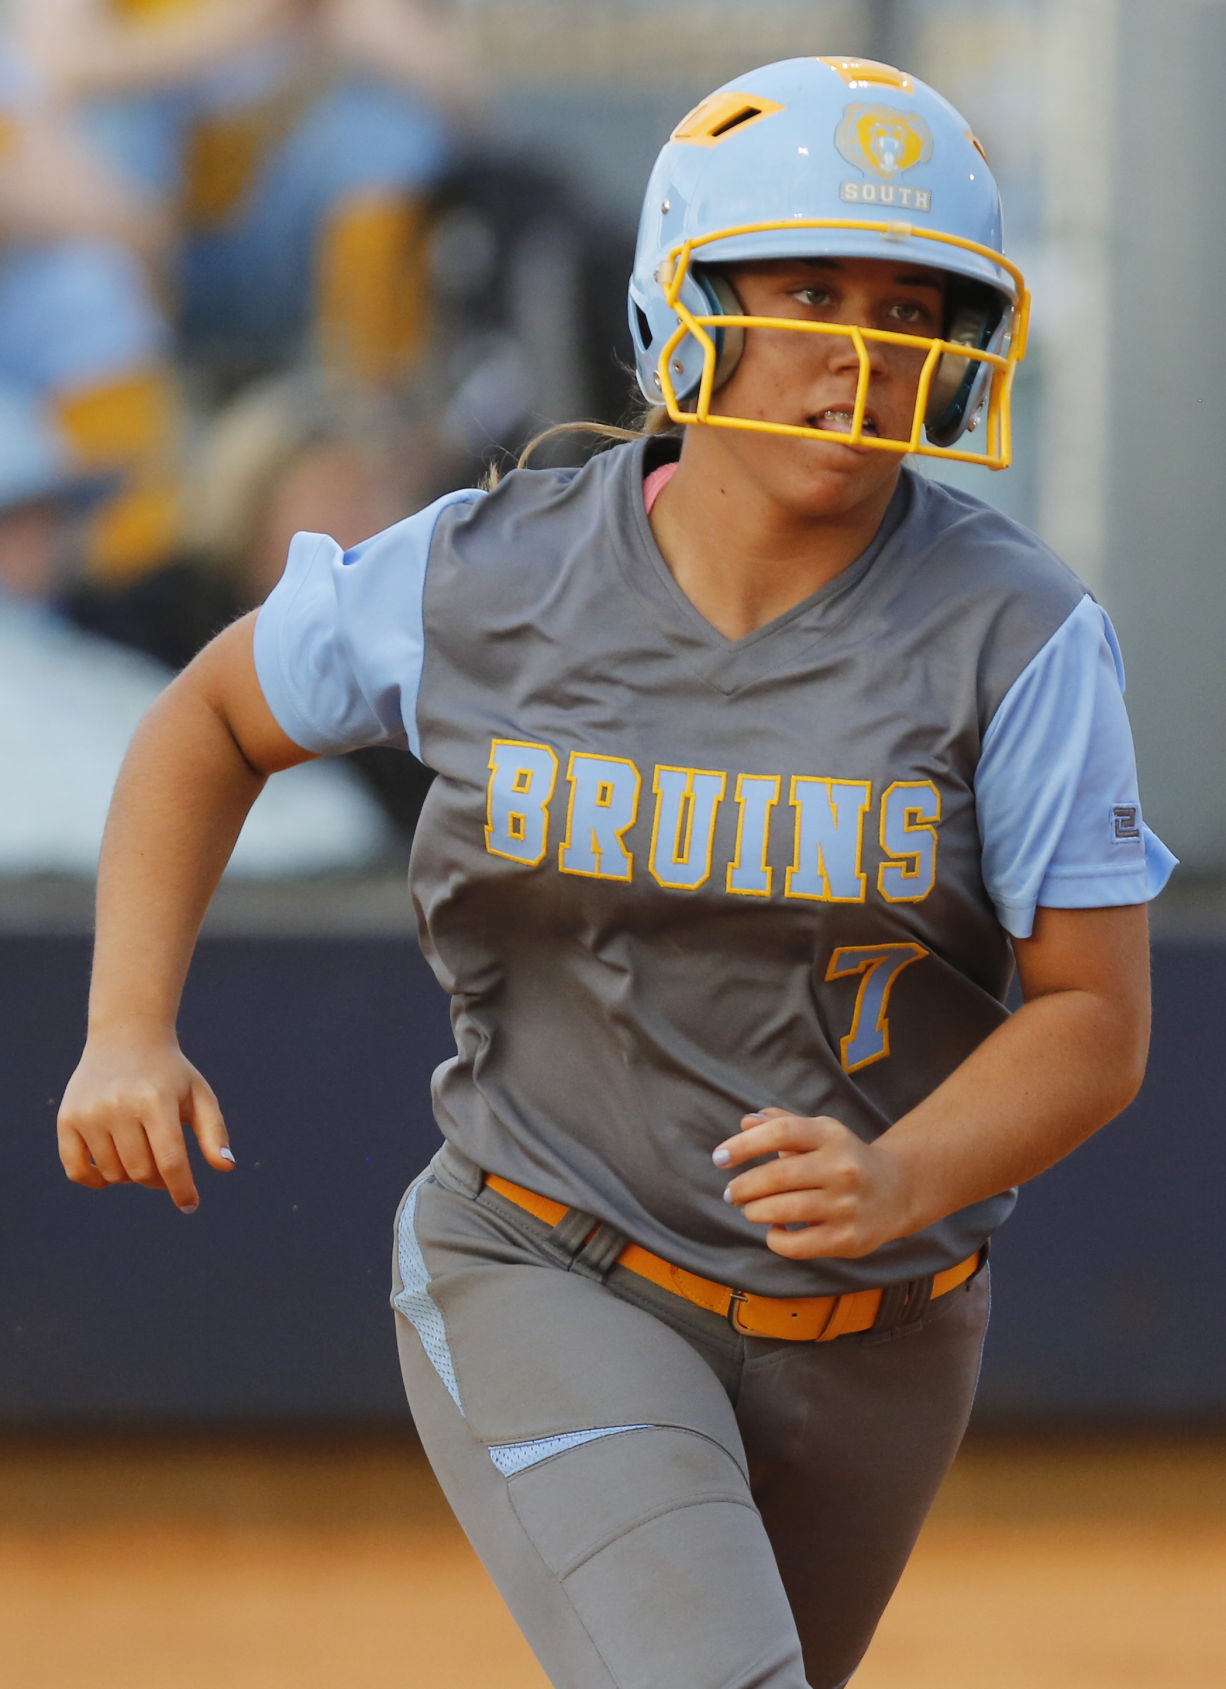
667	877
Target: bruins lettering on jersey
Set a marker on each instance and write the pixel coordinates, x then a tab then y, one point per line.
603	805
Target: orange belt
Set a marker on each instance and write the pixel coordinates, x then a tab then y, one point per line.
808	1319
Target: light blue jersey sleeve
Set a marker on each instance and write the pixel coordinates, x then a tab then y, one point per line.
339	644
1056	789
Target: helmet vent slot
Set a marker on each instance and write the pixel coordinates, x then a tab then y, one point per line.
735	121
867	73
644	327
721	115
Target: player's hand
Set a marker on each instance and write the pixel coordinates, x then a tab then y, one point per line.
849	1195
122	1118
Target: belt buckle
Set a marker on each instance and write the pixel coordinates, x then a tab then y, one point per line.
737	1297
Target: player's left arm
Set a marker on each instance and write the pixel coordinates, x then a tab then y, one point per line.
1070	1059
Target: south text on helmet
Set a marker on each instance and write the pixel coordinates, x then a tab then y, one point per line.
885	193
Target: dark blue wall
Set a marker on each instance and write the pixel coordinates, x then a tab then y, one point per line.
270	1303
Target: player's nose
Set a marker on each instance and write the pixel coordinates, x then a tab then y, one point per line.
844	350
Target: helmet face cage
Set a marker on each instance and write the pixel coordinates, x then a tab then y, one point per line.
983	376
739	152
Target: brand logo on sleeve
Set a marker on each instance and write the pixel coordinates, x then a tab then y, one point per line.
1125	822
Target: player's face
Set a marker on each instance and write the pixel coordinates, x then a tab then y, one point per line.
810	380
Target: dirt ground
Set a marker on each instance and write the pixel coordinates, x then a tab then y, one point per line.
299	1564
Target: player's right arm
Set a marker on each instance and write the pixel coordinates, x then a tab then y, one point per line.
195	766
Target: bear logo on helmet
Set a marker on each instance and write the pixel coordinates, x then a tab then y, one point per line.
883	141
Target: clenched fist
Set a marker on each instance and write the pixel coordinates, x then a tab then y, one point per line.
850	1196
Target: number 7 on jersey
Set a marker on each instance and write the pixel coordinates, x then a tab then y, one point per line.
878	966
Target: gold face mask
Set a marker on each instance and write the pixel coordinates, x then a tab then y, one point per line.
946	367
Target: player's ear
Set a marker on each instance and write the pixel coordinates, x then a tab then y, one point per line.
729	342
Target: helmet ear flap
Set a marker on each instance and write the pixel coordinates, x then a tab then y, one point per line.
729	342
974	314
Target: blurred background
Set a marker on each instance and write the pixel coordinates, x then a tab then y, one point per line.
279	264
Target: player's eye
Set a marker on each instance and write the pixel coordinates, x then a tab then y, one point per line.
816	297
910	312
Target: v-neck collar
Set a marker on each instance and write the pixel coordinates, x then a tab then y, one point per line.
726	664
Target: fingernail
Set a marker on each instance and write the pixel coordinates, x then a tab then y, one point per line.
721	1157
727	1193
226	1154
188	1207
755	1117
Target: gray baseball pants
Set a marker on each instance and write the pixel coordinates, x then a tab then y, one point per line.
663	1503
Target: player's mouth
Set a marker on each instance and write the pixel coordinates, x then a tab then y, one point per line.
839	420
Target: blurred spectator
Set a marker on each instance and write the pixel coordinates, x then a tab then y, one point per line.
528	291
293	139
292	454
84	346
52	186
325	164
80	346
288	454
69	703
283	193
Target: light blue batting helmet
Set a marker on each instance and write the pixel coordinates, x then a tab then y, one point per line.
828	157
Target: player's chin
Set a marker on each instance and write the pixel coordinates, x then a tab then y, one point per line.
828	479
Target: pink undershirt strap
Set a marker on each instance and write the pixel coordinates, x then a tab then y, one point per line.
653	483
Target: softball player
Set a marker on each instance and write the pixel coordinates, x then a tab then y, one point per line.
761	762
